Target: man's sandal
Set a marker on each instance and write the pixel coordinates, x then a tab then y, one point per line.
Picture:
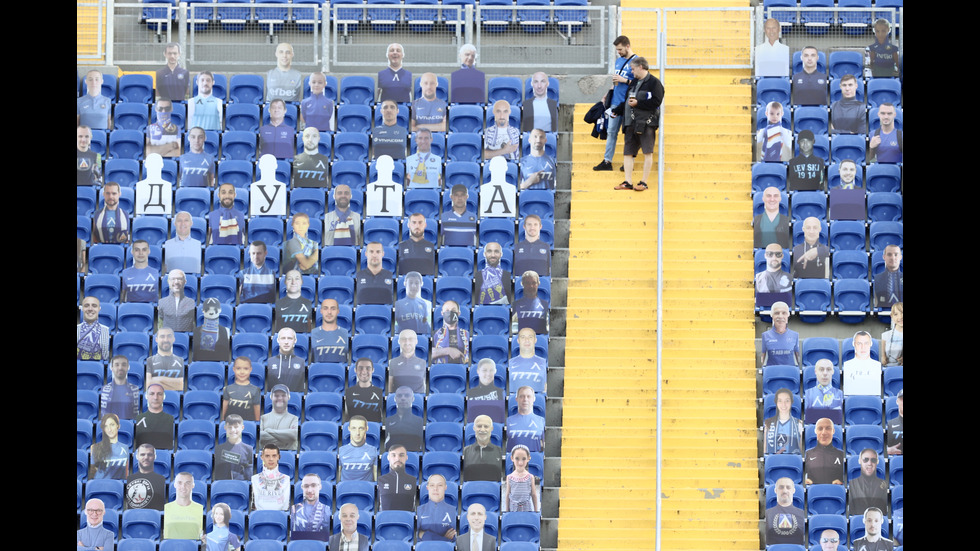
625	185
642	186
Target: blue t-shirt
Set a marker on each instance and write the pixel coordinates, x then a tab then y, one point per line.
889	150
357	462
532	312
532	372
624	69
459	230
525	429
780	349
278	141
435	519
531	164
207	112
258	284
395	85
408	372
196	169
389	140
415	314
534	256
330	346
94	112
141	284
317	112
428	112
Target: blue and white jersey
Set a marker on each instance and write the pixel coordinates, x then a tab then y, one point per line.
525	429
544	164
141	284
196	169
532	372
357	462
330	346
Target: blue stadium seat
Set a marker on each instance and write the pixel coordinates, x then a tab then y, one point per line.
850	265
456	288
221	260
813	298
463	147
309	201
222	287
775	377
494	347
106	258
242	116
383	230
89	375
202	404
136	544
372	346
859	437
444	437
883	234
485	493
373	319
465	173
206	376
325	408
466	118
521	526
267	525
855	22
491	320
826	499
852	299
537	201
819	523
100	140
357	90
845	62
136	88
153	229
425	201
195	200
125	172
131	116
243	88
885	207
196	462
809	203
770	89
327	377
338	261
108	490
253	345
894	380
812	118
86	404
126	144
135	316
456	261
779	466
394	526
195	434
445	407
896	470
351	147
445	463
862	410
503	88
234	493
884	177
534	21
237	172
817	22
358	492
447	378
422	20
499	230
847	235
847	146
104	287
321	463
135	346
337	287
238	145
884	90
267	229
570	21
354	118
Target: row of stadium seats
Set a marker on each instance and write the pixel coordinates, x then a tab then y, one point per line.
816	119
881	206
881	177
352	90
347	146
334	378
249	117
829	499
879	90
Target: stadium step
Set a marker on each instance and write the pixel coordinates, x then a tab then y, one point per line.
709	433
